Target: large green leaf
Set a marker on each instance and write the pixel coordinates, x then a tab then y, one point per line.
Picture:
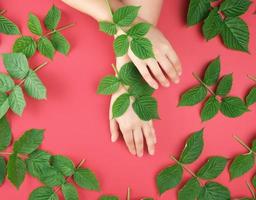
5	133
43	193
235	34
29	141
45	47
214	191
139	30
6	83
234	8
63	164
34	24
169	177
8	27
142	48
52	18
85	178
129	74
17	101
251	97
69	192
4	104
108	27
51	177
121	45
2	170
120	105
225	85
141	88
193	96
190	190
25	45
193	148
124	16
210	109
108	85
60	43
212	72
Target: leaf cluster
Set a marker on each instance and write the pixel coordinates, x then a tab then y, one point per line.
219	100
137	91
222	20
7	26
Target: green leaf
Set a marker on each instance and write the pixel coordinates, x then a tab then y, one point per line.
29	141
16	64
17	101
52	18
214	191
69	192
108	85
168	178
210	109
121	45
235	34
139	30
146	108
126	15
104	197
254	145
2	170
241	164
37	162
34	86
16	170
63	164
60	43
254	181
233	107
212	24
85	178
193	96
234	8
120	105
212	72
129	74
141	88
213	168
251	97
193	148
4	104
8	27
225	85
45	47
6	83
5	133
34	25
51	177
190	190
25	45
142	48
43	193
108	27
197	11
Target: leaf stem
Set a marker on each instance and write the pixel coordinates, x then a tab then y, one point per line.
2	12
128	194
253	78
115	69
200	81
5	153
109	7
242	143
60	29
251	189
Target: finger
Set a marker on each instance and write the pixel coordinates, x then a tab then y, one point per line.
153	131
168	68
138	139
156	70
128	138
173	57
149	139
114	130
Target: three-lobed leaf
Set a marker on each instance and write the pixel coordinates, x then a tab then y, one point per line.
60	43
34	25
212	72
234	8
45	47
63	164
190	190
224	85
8	27
214	191
108	85
52	18
193	96
142	48
251	97
120	105
43	193
25	45
124	16
2	170
5	133
210	108
17	101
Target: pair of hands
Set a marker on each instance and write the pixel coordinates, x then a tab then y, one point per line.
162	69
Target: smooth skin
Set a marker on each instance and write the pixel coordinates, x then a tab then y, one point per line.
164	67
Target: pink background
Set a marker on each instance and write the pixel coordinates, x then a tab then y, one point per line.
76	118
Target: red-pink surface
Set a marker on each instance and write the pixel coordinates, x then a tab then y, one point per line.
76	118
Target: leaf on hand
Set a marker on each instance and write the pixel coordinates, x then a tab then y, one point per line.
8	27
4	104
234	8
129	74
45	47
2	170
190	190
6	83
108	85
224	85
139	30
25	45
17	101
251	97
214	190
52	18
5	133
108	27
60	43
124	16
212	72
120	105
43	193
210	108
34	25
69	192
142	48
193	96
121	45
63	164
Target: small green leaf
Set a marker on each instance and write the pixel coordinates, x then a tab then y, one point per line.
108	85
126	15
197	11
45	47
234	8
254	181
17	101
129	74
139	30
6	83
121	45
43	193
85	178
16	64
108	27
8	27
120	105
225	85
210	109
235	34
4	104
34	86
34	25
16	170
241	164
193	96
233	107
213	168
2	170
212	72
25	45
190	190
51	177
60	43
105	197
193	148
146	108
29	141
63	164
214	191
251	97
52	18
142	48
168	178
5	133
212	24
69	192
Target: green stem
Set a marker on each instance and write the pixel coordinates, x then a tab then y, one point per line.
2	12
251	189
128	194
253	78
242	143
206	86
60	29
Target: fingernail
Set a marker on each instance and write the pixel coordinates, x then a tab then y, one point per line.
113	139
167	84
151	152
155	86
140	155
176	80
179	73
133	153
